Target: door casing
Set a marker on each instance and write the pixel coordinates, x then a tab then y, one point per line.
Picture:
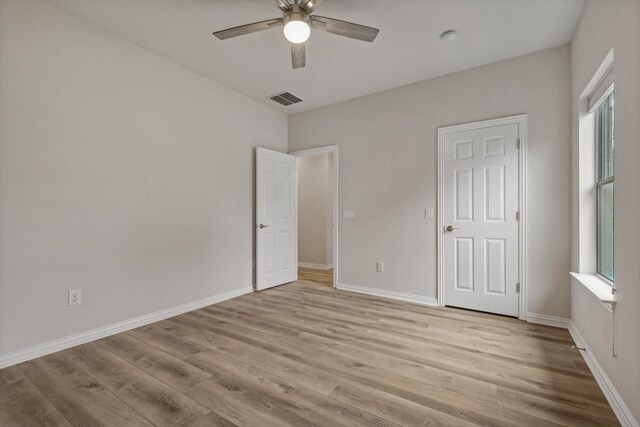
521	121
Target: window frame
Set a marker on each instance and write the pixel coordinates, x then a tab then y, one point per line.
601	182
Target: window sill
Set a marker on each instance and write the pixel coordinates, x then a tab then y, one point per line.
598	287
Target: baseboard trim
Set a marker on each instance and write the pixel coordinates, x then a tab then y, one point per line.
19	356
621	410
315	266
416	299
543	319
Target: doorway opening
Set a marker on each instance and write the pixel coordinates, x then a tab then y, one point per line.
317	185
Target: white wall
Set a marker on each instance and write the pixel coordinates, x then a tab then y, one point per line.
122	174
388	171
605	25
315	209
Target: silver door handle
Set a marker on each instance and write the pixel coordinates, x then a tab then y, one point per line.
451	228
261	226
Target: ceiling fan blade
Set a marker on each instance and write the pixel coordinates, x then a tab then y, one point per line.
283	5
298	57
344	28
248	29
310	5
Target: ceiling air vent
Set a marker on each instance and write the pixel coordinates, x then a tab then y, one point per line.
285	98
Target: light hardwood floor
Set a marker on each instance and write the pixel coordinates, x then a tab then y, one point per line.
320	277
305	354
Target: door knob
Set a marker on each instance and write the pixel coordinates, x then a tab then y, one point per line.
261	226
451	228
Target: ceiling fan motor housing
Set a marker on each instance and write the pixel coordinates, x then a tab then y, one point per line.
296	14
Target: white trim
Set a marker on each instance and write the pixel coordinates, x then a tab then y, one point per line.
599	287
621	410
602	97
603	69
315	266
544	319
314	151
19	356
521	121
320	150
416	299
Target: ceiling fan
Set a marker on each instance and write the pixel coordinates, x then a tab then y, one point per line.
297	22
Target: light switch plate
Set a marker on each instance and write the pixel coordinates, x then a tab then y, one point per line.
349	214
380	266
428	213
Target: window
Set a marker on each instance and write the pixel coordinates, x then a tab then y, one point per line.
605	144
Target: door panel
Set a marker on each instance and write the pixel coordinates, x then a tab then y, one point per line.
494	194
480	201
495	266
464	263
276	228
464	194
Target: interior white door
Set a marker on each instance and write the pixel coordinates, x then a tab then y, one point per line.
480	219
276	224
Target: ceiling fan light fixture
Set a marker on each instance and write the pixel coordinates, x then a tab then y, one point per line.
297	21
296	27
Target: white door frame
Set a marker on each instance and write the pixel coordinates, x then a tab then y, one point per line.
521	121
320	150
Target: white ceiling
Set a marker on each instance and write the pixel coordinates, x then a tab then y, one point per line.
407	50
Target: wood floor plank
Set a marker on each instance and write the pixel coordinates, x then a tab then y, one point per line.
564	361
230	393
569	388
308	354
156	401
558	357
292	370
398	310
308	404
81	399
552	410
166	340
321	277
375	334
436	377
22	403
397	409
213	420
482	412
385	314
237	405
168	369
572	353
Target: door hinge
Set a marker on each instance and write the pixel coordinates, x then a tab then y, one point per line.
518	287
518	144
517	215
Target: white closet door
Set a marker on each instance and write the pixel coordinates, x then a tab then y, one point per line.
480	208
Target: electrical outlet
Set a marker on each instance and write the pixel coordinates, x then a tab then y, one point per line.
349	214
379	266
75	297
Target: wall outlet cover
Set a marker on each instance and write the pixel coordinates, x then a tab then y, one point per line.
75	297
349	214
